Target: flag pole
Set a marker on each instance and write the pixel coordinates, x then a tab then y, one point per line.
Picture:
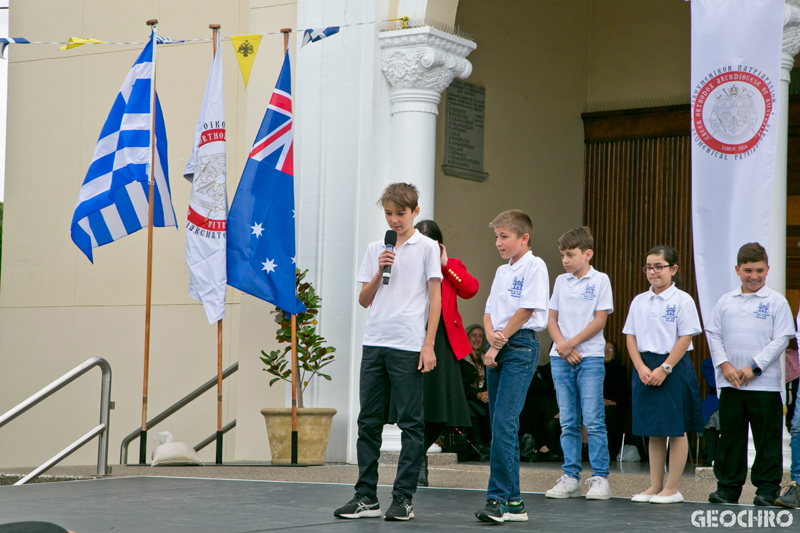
286	32
153	23
214	31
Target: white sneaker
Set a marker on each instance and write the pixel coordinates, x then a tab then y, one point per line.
598	488
566	487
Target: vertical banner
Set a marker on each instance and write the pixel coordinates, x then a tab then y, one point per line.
208	204
736	66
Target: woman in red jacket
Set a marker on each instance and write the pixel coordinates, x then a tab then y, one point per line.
443	398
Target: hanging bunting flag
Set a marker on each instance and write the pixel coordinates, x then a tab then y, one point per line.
208	204
75	42
317	34
163	39
261	246
5	41
735	77
113	201
246	48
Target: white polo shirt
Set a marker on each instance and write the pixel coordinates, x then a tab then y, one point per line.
748	329
398	315
523	285
576	301
658	320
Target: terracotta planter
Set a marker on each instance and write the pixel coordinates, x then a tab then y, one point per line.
313	430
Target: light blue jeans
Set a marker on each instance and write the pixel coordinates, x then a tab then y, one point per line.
579	390
795	471
508	385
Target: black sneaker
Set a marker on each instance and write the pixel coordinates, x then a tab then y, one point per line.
359	507
764	500
494	512
720	496
400	509
789	496
516	512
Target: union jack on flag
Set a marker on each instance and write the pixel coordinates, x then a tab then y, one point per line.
261	232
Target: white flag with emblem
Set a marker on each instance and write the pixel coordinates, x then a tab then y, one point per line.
735	76
208	205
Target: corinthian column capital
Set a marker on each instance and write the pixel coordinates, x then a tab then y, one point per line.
420	63
791	28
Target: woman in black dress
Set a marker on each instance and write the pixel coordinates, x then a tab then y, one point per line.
443	397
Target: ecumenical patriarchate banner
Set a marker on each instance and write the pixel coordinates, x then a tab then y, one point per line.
206	224
736	67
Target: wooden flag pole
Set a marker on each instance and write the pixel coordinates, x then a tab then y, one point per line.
143	433
214	31
286	32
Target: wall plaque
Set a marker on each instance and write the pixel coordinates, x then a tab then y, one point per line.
463	133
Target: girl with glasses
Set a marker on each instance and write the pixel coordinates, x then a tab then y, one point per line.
666	397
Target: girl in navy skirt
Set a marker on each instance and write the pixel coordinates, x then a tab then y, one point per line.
666	397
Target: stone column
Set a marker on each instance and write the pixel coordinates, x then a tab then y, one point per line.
419	63
791	46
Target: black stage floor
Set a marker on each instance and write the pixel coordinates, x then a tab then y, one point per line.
181	505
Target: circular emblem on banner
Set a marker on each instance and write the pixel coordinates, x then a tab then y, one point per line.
731	112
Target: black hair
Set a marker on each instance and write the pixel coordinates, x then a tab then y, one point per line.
429	228
670	256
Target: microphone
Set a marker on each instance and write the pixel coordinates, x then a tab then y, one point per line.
389	241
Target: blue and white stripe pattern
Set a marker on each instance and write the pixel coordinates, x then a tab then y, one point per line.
163	39
316	34
113	200
5	41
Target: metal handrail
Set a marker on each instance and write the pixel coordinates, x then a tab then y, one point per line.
160	417
211	438
101	429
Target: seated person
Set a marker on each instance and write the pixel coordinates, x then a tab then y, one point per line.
616	397
473	374
539	418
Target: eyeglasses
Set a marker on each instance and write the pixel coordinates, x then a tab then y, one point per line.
655	268
610	350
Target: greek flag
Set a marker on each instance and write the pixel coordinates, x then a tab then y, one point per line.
5	41
317	34
113	201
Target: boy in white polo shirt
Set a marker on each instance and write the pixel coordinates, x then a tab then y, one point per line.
749	329
579	308
397	349
515	311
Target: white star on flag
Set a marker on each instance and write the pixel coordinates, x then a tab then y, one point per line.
257	229
294	260
269	266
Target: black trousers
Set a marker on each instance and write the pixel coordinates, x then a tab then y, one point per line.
763	411
385	370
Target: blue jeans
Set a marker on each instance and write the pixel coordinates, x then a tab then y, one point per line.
508	385
795	471
579	390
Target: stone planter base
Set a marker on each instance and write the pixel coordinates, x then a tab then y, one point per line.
313	430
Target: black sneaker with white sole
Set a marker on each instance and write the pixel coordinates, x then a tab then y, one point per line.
400	509
359	507
494	512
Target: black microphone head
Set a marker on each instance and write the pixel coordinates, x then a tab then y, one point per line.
391	238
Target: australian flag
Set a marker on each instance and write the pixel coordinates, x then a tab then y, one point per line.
260	244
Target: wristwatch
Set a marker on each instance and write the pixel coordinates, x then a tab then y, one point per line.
666	368
756	370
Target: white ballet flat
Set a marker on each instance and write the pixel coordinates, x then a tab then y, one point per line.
675	498
641	498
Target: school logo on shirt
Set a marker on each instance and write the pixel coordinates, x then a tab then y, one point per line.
516	288
589	292
763	311
671	313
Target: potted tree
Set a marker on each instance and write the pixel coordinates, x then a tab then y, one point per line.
313	424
